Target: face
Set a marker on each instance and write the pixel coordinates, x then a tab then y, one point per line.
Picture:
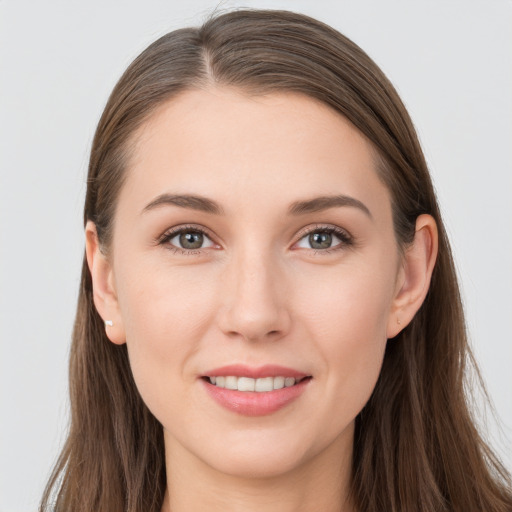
253	244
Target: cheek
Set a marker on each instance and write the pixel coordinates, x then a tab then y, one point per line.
165	316
347	317
351	303
163	306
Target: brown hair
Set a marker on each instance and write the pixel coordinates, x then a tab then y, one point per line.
416	447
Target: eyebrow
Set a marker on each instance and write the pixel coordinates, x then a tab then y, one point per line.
203	204
192	202
322	203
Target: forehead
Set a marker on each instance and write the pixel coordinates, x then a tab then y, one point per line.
220	142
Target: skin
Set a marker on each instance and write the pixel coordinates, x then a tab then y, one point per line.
256	293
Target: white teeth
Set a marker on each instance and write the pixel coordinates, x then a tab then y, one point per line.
264	384
261	385
278	382
289	381
231	383
245	384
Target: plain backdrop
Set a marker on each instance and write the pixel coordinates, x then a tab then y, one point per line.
451	61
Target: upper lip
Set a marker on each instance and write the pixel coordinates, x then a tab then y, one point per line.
268	370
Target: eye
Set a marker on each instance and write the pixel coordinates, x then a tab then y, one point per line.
187	239
325	239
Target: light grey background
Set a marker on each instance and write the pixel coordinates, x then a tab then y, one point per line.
451	62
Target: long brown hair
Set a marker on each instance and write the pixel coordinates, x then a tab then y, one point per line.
416	447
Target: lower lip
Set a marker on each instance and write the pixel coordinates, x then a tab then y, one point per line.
252	403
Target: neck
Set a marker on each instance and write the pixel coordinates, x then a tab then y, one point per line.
322	483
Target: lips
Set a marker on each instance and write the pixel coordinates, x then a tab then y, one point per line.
255	391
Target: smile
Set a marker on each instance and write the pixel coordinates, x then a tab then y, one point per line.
253	391
261	385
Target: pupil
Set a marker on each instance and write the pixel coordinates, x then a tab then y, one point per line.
320	240
191	240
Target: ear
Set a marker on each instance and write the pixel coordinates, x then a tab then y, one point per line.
104	293
414	276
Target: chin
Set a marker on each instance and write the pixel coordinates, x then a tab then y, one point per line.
258	464
264	453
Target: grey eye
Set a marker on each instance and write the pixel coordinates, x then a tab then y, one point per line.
320	240
190	240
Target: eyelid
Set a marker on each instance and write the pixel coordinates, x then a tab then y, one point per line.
342	234
323	227
176	230
346	239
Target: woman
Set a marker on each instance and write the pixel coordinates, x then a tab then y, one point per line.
269	317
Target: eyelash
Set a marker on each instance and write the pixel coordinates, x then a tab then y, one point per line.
169	235
345	238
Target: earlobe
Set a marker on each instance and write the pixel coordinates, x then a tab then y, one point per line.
415	275
104	292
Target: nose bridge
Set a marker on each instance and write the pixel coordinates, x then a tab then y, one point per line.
254	306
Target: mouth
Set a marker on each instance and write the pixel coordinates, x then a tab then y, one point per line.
253	391
258	385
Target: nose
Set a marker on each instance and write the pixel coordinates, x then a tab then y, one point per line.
254	305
